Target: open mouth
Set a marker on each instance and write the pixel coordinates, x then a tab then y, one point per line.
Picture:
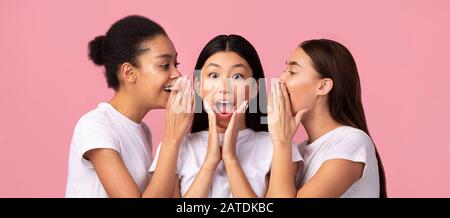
225	106
167	88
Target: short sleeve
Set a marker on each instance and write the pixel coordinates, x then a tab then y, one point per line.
355	146
93	133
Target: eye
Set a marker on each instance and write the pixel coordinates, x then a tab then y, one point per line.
213	75
291	72
176	64
165	66
237	76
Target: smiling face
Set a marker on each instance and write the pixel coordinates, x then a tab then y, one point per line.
227	79
156	72
303	82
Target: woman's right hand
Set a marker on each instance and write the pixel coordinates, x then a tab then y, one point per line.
214	151
179	110
201	185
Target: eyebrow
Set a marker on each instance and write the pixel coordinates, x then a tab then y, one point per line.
217	65
293	63
142	50
213	65
164	56
238	65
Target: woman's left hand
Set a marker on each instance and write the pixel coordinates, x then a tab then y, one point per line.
282	123
230	136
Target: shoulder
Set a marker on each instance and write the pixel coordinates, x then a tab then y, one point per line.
352	144
195	135
347	136
94	118
261	143
192	139
192	143
262	137
95	127
94	130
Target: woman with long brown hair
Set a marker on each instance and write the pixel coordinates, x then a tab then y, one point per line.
321	90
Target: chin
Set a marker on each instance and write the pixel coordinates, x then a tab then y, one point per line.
161	105
223	123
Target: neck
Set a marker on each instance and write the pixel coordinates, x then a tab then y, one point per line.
128	106
318	122
223	125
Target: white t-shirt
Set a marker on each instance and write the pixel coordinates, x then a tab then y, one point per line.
347	143
105	127
253	150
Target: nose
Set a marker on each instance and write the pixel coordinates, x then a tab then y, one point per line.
226	85
283	76
175	74
224	91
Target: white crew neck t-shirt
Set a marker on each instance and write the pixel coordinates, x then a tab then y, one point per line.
105	127
347	143
254	152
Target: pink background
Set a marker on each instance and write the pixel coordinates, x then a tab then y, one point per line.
401	48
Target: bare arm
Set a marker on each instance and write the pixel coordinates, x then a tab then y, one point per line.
178	119
113	174
332	179
164	177
117	181
282	173
282	128
239	185
202	183
176	189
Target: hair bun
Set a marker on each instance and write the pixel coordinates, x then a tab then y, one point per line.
96	51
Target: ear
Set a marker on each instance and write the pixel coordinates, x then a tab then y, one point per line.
197	86
128	72
325	86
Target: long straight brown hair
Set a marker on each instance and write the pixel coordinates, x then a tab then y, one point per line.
333	60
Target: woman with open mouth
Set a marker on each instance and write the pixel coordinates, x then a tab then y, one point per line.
111	149
321	90
228	152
